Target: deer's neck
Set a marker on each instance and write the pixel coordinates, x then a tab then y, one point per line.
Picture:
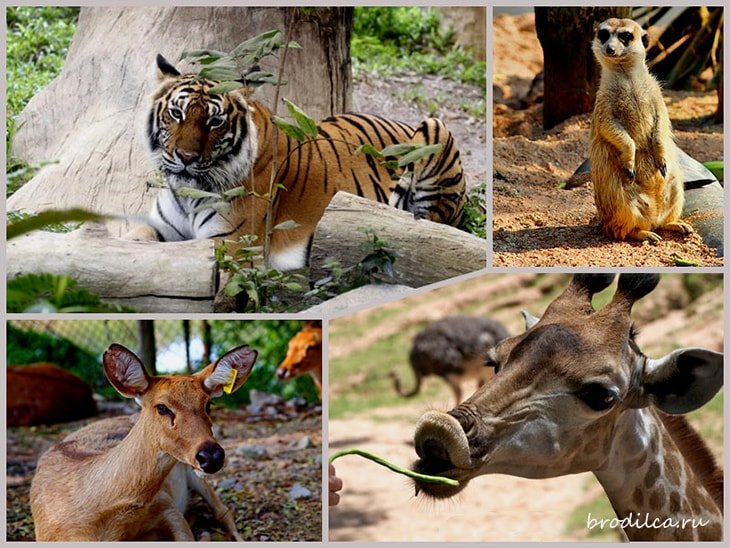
133	471
652	487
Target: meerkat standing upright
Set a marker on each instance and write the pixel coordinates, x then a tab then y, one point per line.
636	178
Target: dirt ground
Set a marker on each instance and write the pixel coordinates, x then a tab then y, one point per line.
268	462
536	223
378	505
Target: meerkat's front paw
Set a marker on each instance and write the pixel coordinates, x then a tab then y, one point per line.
645	235
679	226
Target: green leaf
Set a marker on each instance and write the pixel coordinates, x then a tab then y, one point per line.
309	127
50	217
717	168
398	149
684	262
225	87
286	225
222	207
236	192
368	149
293	286
417	154
293	131
196	54
190	192
294	45
254	44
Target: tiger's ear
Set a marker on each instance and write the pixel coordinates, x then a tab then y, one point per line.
166	69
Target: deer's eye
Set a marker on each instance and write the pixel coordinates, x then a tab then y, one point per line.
163	410
596	396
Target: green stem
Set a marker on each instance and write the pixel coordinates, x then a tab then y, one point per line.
395	468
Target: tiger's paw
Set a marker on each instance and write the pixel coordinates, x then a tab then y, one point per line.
141	233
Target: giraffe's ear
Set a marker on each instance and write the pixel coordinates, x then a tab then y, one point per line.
684	380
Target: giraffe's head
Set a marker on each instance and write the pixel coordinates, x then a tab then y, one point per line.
560	390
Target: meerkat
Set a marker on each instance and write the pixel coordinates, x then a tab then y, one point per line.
636	177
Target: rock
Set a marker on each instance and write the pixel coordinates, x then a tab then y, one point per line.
44	393
299	492
227	483
706	205
361	298
304	443
252	451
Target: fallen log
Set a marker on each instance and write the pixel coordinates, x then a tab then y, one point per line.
429	252
148	276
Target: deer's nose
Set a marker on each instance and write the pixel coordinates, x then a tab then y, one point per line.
187	156
210	456
282	373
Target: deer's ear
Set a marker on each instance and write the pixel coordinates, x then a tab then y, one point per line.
125	371
684	380
219	374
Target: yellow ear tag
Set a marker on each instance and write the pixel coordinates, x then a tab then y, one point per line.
229	387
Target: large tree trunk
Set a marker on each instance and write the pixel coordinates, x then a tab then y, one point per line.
147	346
90	120
571	72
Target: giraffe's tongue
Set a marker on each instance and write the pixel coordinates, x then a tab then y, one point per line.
440	436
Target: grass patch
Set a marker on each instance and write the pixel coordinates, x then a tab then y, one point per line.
389	41
37	42
599	508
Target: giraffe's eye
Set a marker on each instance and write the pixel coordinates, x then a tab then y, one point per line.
597	397
489	361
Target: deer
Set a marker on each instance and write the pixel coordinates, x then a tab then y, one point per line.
452	348
128	479
304	355
574	393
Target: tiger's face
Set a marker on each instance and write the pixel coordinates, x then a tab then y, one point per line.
197	139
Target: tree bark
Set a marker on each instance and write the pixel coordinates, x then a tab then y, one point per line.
147	347
571	71
429	252
90	120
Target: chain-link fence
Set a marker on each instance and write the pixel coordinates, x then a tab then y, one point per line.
164	346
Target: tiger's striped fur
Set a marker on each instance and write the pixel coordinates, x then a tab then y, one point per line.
219	142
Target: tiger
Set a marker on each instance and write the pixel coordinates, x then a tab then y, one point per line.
219	142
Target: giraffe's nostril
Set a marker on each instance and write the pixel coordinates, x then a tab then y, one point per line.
435	450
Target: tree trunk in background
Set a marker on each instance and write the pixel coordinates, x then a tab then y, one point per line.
207	342
186	336
147	347
91	118
571	71
470	28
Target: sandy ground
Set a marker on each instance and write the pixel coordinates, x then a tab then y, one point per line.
535	222
378	505
492	508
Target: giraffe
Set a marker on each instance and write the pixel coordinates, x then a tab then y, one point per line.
574	393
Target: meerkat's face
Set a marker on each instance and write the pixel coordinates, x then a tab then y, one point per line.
620	43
